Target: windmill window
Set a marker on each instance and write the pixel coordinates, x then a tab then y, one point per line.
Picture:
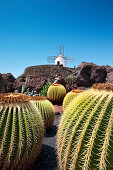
58	62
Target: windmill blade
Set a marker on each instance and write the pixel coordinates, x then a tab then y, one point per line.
69	58
51	59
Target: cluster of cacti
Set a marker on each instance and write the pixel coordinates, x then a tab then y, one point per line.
70	96
44	89
46	109
56	93
21	131
85	133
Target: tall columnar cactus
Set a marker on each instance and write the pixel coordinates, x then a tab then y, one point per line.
56	93
24	85
85	133
21	131
70	96
46	108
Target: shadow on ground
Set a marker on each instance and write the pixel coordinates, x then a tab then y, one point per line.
51	132
46	159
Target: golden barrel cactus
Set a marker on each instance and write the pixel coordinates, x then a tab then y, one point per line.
70	96
85	133
46	109
21	131
56	93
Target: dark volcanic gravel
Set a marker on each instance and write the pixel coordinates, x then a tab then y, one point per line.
47	159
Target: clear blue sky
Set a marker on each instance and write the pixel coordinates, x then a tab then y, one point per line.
31	30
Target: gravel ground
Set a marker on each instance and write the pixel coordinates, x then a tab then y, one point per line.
47	159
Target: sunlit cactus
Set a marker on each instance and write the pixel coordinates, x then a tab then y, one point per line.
85	133
46	109
21	131
70	96
56	93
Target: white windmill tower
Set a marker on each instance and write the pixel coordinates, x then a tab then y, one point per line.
60	59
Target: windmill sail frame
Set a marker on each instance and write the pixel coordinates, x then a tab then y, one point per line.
51	59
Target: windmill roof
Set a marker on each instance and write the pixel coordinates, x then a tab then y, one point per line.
60	56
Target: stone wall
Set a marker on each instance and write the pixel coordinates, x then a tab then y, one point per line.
48	71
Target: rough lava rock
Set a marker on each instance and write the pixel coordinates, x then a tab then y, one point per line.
35	83
1	76
9	80
90	73
60	80
109	77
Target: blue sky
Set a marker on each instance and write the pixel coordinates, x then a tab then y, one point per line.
31	30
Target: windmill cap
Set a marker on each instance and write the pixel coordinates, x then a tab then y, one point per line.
60	55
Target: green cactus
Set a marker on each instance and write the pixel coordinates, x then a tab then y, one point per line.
70	96
24	85
56	93
46	108
44	90
21	131
85	133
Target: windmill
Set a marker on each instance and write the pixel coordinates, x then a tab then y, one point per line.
60	59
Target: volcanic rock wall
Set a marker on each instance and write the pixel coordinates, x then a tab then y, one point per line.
38	75
48	71
87	75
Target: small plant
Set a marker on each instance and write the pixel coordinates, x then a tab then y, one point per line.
44	90
70	96
16	91
56	93
46	109
71	79
85	133
21	131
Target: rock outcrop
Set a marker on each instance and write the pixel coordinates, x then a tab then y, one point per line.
9	80
109	77
90	74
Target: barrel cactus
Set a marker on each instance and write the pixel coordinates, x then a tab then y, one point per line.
21	131
85	133
70	96
56	93
46	109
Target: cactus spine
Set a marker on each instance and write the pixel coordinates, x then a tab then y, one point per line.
56	93
85	133
70	96
46	109
21	131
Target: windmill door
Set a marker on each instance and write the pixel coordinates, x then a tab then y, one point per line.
58	62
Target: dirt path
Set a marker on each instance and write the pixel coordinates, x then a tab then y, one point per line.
47	158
